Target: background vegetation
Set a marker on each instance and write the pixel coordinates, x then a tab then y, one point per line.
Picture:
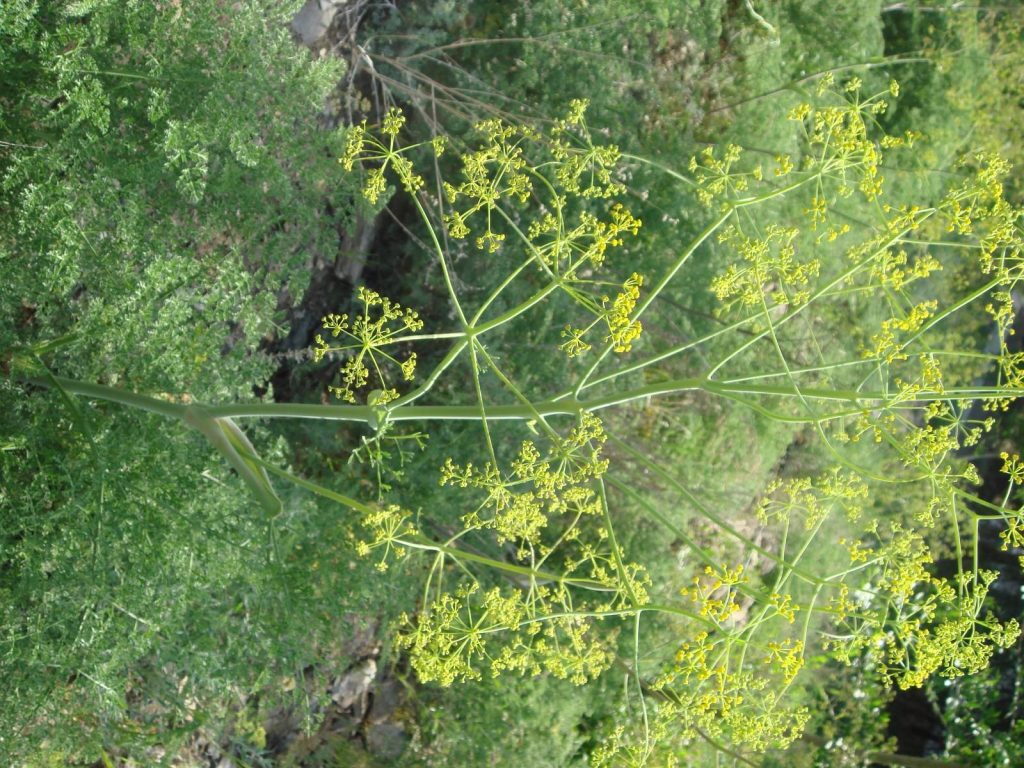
174	216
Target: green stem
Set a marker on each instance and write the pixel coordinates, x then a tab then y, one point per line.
666	278
114	395
703	554
427	385
513	313
524	411
442	259
423	543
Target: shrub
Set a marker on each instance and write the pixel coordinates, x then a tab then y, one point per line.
838	321
163	187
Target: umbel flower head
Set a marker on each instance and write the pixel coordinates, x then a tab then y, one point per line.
364	340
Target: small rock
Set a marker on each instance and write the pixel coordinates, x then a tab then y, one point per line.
313	19
386	741
351	688
386	698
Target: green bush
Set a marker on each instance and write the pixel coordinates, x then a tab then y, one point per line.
536	574
164	187
604	396
162	171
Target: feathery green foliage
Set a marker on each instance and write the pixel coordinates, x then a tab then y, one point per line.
162	183
846	303
533	579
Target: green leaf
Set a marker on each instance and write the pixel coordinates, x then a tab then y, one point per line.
233	445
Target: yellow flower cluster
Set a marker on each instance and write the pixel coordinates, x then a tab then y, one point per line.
617	314
716	592
539	625
361	145
812	500
584	169
912	624
496	171
622	329
715	176
709	699
897	270
381	324
386	527
587	243
457	635
769	269
788	656
888	346
518	505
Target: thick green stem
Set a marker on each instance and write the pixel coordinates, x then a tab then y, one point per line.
523	411
115	395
